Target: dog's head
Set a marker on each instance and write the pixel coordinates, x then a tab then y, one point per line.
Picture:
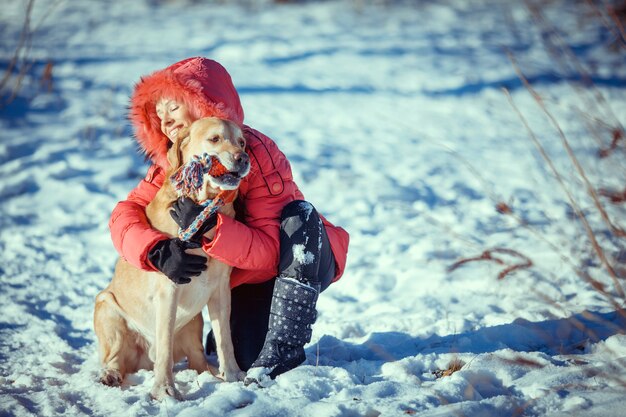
223	141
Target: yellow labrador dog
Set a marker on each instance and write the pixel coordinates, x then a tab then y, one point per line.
143	319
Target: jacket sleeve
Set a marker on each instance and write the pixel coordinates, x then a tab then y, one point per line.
131	232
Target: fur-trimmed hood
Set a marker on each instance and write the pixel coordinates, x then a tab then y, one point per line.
202	84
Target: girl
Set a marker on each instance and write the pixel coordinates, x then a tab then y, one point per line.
283	252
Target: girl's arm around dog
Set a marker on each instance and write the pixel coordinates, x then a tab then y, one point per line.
132	235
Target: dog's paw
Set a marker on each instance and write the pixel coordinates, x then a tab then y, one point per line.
241	376
161	392
214	371
232	375
111	377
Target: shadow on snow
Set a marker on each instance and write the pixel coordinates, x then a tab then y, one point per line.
553	337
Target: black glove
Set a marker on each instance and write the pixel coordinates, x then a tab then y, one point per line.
184	212
169	257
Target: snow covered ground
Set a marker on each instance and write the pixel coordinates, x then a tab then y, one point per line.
393	117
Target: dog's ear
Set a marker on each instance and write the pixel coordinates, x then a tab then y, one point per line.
175	153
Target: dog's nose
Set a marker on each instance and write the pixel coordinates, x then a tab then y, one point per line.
240	157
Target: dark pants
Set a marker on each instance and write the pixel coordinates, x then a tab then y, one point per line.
305	255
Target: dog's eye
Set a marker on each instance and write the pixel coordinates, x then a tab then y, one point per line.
214	139
242	143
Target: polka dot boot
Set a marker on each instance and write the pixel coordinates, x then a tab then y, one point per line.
291	316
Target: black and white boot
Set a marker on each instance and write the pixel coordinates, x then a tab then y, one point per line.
291	316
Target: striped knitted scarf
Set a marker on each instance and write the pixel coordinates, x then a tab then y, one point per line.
188	180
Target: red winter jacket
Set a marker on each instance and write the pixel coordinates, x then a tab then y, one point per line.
251	246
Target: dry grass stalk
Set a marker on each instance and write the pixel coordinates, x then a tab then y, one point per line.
616	15
560	50
590	234
581	172
598	286
46	78
523	361
488	256
616	28
616	197
21	61
503	208
506	208
23	44
614	374
617	137
454	365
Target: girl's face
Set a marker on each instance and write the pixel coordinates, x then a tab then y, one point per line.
174	116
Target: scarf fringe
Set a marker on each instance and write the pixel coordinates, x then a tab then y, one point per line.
188	179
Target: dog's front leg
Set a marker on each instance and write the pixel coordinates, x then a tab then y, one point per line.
219	313
166	303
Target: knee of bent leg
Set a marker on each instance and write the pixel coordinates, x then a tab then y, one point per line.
298	209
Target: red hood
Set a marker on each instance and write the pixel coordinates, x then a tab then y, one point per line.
202	84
